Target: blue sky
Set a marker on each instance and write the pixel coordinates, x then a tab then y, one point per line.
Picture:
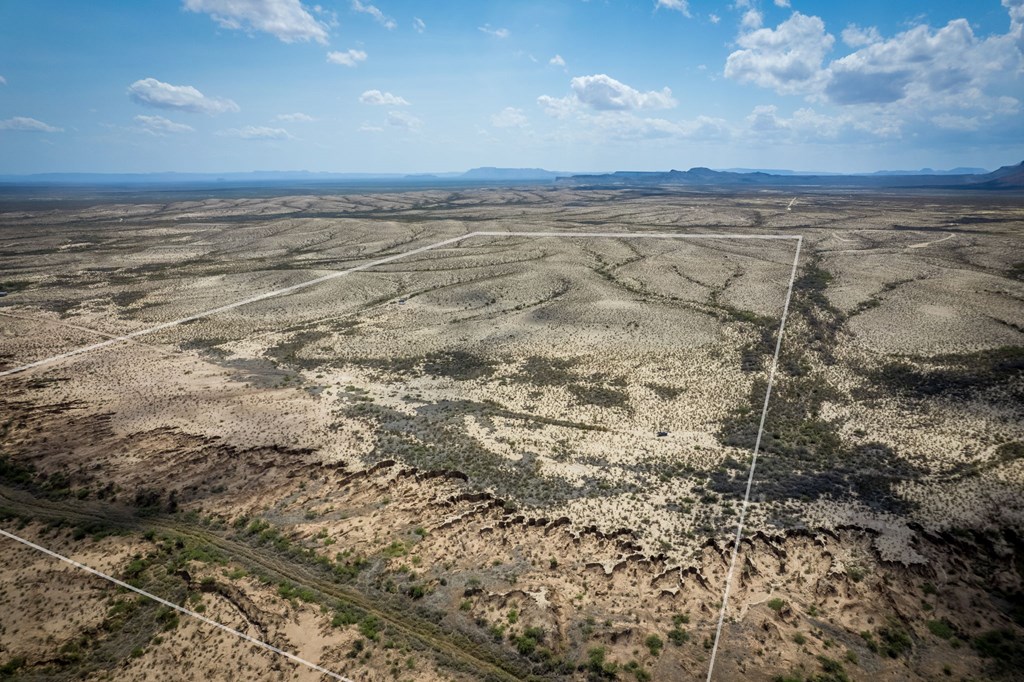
406	86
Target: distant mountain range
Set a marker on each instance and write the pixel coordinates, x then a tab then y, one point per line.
923	171
483	174
491	173
1007	177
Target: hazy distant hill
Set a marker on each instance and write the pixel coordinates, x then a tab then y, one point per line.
929	171
1007	177
171	178
492	173
923	171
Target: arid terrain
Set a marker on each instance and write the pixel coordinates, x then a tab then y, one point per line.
516	456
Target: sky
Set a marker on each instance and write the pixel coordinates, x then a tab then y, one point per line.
570	85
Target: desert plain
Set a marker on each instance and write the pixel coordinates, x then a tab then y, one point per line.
521	454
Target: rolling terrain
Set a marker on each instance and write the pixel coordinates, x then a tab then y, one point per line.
517	456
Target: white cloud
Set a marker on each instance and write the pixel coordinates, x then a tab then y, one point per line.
630	127
158	125
807	125
378	16
257	133
681	6
153	93
603	92
948	67
382	98
28	125
496	32
557	61
601	108
782	3
419	25
400	119
347	58
751	19
714	18
955	122
855	36
3	81
1016	10
367	128
297	117
288	20
787	59
625	125
918	80
509	117
558	107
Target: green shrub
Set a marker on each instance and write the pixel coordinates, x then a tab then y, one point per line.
1003	648
12	666
370	627
526	645
895	640
869	641
678	636
654	644
940	628
834	671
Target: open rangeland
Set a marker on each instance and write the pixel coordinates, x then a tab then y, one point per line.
513	456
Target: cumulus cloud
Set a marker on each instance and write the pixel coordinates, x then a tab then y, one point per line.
377	97
3	81
635	127
628	126
603	92
809	124
714	18
297	117
257	133
681	6
288	20
496	32
349	57
751	19
558	107
956	122
509	117
419	24
850	84
765	123
153	93
855	36
947	76
28	125
158	125
923	82
782	3
378	16
602	108
400	119
787	58
1016	10
557	61
927	66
